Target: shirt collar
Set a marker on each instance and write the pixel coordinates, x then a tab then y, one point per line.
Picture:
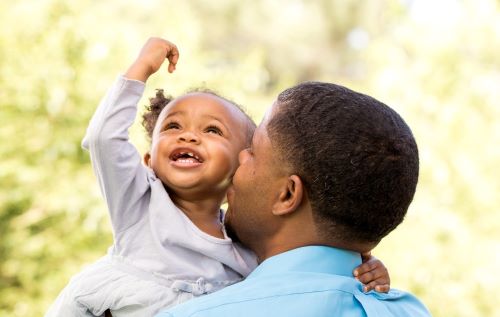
318	259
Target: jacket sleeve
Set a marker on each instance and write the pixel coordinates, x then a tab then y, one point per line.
117	164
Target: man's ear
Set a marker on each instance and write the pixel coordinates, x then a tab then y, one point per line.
147	159
290	196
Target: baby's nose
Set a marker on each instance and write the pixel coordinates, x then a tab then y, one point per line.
189	137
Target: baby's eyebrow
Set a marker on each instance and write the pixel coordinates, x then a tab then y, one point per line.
174	113
217	119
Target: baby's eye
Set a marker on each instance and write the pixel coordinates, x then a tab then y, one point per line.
172	125
213	129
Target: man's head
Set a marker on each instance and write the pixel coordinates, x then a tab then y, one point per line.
354	158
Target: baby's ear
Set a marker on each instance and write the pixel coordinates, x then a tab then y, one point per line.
147	159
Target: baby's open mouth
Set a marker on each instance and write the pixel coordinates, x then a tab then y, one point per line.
183	156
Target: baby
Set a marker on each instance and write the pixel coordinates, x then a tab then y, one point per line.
169	240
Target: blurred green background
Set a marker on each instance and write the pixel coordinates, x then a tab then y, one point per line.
436	62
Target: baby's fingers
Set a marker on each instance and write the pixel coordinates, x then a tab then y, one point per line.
173	57
377	277
374	275
381	288
365	267
379	273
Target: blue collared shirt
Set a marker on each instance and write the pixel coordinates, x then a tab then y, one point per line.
308	281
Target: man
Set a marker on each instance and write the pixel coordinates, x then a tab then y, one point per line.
330	172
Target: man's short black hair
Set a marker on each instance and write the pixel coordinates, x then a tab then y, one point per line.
356	156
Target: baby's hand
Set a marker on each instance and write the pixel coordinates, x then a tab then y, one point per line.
151	57
373	274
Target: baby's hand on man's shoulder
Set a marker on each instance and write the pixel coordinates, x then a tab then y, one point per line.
373	274
152	55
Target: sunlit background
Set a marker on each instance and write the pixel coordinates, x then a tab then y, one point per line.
436	62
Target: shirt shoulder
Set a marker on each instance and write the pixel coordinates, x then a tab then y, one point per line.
286	295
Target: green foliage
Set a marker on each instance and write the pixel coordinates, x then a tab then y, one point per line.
435	62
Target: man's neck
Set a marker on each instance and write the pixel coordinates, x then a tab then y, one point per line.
294	237
291	235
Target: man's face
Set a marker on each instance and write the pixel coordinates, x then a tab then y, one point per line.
254	189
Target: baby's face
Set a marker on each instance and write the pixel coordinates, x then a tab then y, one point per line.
196	142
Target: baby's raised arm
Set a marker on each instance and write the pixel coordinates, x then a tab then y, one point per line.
151	57
116	162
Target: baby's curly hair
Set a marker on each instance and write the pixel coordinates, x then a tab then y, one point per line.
157	103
